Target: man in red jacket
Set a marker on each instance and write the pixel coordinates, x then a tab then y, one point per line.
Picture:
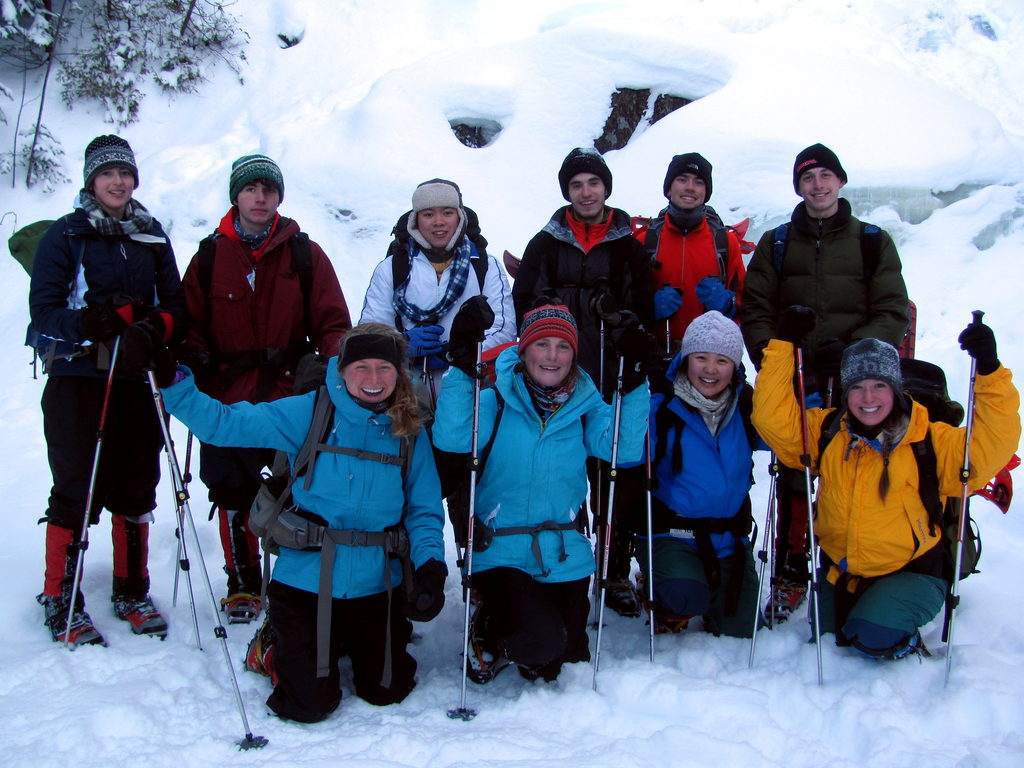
697	262
260	295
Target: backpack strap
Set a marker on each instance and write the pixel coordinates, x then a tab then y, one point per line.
780	239
486	450
302	265
829	430
720	232
928	480
745	407
870	249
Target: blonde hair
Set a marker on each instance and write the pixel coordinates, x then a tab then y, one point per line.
403	407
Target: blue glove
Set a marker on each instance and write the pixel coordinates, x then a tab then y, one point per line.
425	340
667	301
715	296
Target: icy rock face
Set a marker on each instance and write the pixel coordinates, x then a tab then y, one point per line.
475	132
629	107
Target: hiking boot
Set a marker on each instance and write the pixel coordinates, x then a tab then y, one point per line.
785	598
259	656
622	598
241	607
82	630
140	612
911	645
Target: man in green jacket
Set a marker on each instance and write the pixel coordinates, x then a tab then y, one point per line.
849	273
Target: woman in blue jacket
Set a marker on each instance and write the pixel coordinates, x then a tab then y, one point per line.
702	446
531	564
97	270
375	411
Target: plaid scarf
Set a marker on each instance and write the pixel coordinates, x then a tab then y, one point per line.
137	219
458	274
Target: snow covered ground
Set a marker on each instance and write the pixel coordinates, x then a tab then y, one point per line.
925	111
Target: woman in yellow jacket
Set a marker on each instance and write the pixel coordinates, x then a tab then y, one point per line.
882	562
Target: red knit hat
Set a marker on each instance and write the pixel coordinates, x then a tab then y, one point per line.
548	320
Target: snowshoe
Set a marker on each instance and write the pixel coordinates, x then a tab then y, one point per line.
259	656
785	598
483	666
482	663
241	607
140	612
912	645
622	598
82	630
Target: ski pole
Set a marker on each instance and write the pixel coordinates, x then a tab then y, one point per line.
249	741
953	597
180	491
608	519
83	539
183	564
650	539
805	459
766	556
462	712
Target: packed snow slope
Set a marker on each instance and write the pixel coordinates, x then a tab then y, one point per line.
922	103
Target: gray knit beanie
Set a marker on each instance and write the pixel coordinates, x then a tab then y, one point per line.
108	152
715	334
871	359
250	168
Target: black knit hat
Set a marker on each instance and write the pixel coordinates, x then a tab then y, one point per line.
691	162
816	156
583	160
108	152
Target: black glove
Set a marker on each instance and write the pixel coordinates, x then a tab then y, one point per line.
426	598
106	321
980	343
468	328
607	308
142	348
795	323
633	344
828	359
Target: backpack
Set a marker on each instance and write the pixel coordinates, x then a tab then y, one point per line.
719	230
24	242
274	517
270	360
870	248
398	250
871	255
926	383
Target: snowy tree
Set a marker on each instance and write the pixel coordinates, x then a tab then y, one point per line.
104	51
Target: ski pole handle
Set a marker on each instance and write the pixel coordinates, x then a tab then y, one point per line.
977	314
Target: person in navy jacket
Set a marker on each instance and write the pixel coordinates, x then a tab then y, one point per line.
702	445
98	270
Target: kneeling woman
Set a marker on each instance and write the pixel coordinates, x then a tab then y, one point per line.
702	443
533	572
885	573
352	490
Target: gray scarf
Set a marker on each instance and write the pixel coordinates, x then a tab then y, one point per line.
714	412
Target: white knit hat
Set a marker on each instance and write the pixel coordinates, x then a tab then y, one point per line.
715	334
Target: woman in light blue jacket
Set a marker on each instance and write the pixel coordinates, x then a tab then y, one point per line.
375	412
531	564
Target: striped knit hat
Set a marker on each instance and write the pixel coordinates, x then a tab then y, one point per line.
548	320
108	152
250	168
871	359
